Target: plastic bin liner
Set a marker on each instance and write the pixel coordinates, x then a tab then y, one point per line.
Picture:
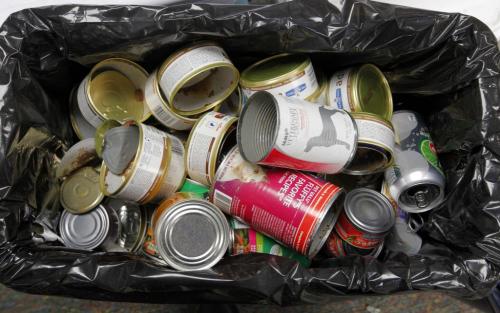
446	66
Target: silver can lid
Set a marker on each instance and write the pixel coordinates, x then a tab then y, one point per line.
132	221
84	231
369	210
192	235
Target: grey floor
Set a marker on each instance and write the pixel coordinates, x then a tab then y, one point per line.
13	301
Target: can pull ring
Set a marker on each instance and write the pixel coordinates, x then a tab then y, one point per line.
415	222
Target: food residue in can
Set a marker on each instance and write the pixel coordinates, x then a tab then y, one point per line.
78	155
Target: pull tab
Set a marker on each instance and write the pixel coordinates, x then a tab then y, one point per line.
421	197
415	222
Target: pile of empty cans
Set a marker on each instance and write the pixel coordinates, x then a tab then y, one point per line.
197	161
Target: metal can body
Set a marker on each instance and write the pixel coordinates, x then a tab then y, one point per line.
233	104
289	75
160	109
82	128
117	79
375	145
367	218
336	247
246	240
196	79
321	94
155	173
291	207
190	233
292	133
205	145
192	186
361	89
416	181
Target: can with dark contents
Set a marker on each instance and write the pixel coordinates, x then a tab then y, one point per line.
293	133
213	133
82	128
197	78
375	145
160	109
361	89
90	230
246	240
336	247
113	90
289	75
190	233
350	182
156	171
416	180
366	219
291	207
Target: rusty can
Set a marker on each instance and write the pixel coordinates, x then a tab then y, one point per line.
366	219
213	133
293	133
113	90
361	89
156	171
336	247
197	78
375	145
291	207
160	108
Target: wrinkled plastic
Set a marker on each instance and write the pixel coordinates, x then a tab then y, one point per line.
443	65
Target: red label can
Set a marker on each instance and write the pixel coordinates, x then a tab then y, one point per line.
356	237
295	209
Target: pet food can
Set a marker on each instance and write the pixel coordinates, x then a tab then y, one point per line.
375	145
213	133
293	133
161	110
80	191
156	171
320	95
197	78
336	247
113	90
82	128
190	233
289	75
367	218
231	105
291	207
416	180
361	89
80	154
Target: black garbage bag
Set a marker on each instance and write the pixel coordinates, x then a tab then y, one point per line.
446	66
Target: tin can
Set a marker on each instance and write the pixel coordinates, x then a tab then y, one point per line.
80	192
292	133
113	90
207	139
190	233
245	240
197	78
100	132
82	128
416	180
90	230
336	247
320	95
132	226
291	207
375	145
78	155
192	186
232	105
149	248
160	109
361	89
289	75
366	219
155	173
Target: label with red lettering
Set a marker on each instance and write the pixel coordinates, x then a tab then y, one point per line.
355	237
285	205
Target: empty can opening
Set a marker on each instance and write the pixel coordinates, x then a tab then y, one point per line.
258	126
367	160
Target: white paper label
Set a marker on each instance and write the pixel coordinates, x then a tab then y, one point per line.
373	132
84	105
176	170
338	90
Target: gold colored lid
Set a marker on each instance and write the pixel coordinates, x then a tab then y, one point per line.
80	192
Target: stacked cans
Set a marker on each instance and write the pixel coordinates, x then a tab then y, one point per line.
194	162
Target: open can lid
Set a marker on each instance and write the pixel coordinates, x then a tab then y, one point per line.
80	192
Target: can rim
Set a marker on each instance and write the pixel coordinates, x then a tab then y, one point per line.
356	97
90	101
372	146
432	205
248	84
322	87
218	107
87	208
368	116
101	211
355	144
221	167
72	117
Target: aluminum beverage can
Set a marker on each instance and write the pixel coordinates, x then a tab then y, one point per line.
416	180
291	207
293	133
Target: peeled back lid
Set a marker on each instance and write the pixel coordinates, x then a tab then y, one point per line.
369	210
120	147
84	231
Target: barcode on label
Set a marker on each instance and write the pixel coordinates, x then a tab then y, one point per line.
222	201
